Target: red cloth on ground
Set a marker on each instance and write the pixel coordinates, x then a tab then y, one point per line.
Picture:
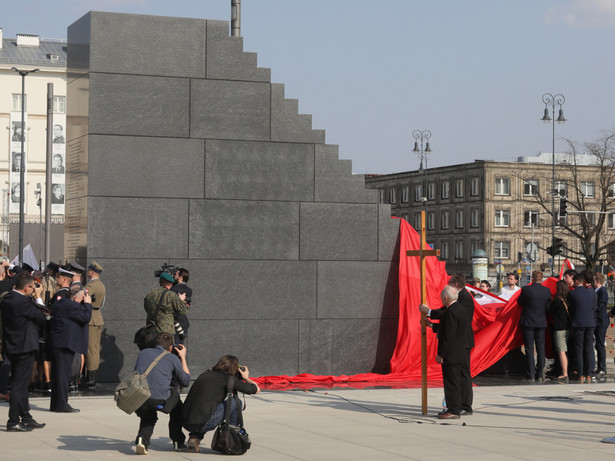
495	327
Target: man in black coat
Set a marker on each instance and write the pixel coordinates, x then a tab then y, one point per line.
534	300
21	320
68	335
466	302
452	339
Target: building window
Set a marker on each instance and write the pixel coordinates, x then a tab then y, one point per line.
446	189
459	188
59	104
417	222
502	250
587	189
459	219
474	218
444	250
591	218
611	221
475	187
444	220
431	221
381	194
530	187
16	101
405	192
502	218
561	188
530	219
431	191
392	198
459	250
502	186
474	246
418	192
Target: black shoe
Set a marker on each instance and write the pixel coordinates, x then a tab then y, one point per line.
67	410
33	424
18	427
180	446
466	412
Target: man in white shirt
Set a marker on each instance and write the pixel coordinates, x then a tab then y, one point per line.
512	288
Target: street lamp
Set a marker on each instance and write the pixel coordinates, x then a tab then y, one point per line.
423	136
22	169
554	101
39	204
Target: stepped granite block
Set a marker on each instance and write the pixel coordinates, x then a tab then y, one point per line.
259	171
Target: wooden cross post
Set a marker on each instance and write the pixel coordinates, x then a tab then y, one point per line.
422	253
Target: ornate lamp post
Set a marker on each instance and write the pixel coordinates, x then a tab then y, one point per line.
423	137
554	101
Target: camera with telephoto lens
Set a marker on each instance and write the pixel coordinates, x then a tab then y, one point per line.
179	330
168	268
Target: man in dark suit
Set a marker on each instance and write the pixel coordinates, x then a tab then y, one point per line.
534	300
452	339
466	301
21	319
67	336
582	308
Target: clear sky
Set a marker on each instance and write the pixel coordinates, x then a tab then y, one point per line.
370	72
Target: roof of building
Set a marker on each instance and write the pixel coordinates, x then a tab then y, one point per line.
46	53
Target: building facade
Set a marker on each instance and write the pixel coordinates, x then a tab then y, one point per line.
503	208
24	53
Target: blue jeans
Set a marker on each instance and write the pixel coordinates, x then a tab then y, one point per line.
199	430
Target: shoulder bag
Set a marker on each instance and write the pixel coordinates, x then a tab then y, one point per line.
231	439
133	392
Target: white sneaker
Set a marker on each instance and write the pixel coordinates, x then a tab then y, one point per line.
140	448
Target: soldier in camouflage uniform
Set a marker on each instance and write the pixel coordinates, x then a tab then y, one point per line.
172	303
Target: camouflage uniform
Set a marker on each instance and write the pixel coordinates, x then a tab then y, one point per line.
171	304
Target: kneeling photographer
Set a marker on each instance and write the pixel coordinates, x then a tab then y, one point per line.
205	406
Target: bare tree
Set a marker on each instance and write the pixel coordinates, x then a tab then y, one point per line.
586	180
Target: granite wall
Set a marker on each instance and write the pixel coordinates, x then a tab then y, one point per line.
181	150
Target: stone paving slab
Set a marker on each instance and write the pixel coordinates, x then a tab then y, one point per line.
521	422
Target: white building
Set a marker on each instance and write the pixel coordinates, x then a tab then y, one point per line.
28	52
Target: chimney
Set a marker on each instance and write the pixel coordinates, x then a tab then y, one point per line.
235	18
27	40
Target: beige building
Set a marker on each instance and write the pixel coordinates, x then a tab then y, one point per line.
28	52
503	208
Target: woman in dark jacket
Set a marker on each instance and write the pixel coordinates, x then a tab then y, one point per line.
562	327
204	407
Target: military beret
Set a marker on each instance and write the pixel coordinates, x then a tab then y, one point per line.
94	266
168	277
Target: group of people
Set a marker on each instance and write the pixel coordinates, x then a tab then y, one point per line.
579	323
204	408
51	331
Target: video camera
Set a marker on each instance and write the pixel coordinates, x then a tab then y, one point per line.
168	268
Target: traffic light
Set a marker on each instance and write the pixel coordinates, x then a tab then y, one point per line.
550	251
563	206
557	246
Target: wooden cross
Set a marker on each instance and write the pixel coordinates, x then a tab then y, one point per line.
423	253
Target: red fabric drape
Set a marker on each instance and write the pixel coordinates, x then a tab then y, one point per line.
495	327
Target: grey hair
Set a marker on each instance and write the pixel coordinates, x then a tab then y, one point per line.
74	290
450	292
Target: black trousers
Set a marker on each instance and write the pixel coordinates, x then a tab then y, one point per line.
453	376
533	336
21	373
61	361
148	413
467	394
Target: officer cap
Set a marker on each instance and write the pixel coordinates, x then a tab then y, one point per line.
76	268
94	266
66	271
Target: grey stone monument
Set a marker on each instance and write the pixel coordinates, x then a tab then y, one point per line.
181	150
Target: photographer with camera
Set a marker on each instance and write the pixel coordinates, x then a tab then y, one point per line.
182	323
168	373
162	304
205	405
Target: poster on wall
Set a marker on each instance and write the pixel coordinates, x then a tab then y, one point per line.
16	161
58	164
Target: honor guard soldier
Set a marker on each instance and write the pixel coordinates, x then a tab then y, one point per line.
97	292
